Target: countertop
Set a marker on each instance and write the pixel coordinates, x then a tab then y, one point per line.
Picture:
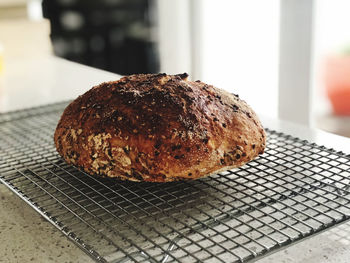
25	236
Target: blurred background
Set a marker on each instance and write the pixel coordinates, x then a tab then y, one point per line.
289	59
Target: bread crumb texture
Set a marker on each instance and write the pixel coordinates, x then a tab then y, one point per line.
158	128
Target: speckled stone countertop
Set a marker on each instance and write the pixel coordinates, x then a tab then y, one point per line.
332	246
25	236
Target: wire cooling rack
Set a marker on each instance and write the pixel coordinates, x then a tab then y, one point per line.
294	190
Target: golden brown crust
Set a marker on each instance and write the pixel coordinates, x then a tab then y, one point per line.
158	128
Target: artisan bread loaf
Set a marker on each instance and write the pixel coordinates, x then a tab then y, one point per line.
158	128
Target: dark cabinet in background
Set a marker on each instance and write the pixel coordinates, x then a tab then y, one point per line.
114	35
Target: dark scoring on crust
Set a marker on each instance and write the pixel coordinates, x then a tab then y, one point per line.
158	128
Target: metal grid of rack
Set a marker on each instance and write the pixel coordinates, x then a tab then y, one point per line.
294	190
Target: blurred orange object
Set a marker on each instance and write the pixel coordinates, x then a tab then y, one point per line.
337	74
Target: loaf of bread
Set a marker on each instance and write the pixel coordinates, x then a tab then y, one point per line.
158	128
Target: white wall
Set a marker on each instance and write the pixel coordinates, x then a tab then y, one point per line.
174	36
237	40
240	50
239	43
